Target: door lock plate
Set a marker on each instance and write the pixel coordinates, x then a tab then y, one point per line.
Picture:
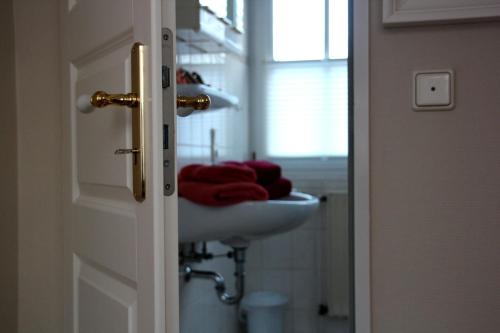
169	113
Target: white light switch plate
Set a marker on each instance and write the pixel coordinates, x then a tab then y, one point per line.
433	90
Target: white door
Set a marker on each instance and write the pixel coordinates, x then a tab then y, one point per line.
120	232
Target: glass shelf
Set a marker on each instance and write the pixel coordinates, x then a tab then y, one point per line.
200	30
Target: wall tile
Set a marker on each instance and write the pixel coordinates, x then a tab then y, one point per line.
279	281
305	290
253	281
333	325
288	325
199	318
304	249
254	255
305	322
277	252
226	320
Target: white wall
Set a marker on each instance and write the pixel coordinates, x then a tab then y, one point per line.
38	115
435	189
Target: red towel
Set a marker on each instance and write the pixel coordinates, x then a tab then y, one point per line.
279	188
235	163
267	172
217	174
221	194
186	173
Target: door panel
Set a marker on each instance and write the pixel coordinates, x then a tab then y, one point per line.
106	303
114	245
96	163
97	25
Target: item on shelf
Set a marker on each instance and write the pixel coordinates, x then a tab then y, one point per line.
197	77
200	30
185	77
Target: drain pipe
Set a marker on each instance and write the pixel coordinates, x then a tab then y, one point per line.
220	283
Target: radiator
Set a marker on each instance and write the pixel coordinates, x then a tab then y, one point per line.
336	247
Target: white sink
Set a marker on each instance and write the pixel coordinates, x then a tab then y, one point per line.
241	223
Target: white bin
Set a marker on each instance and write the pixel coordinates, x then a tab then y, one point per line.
264	311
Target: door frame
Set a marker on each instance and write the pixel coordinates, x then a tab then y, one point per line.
171	230
361	159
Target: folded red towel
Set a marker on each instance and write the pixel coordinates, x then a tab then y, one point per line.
235	163
221	194
217	174
279	188
267	172
186	173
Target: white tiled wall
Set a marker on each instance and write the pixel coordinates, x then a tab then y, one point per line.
201	311
291	264
287	263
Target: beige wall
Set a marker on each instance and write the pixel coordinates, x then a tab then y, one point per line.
435	182
8	173
39	132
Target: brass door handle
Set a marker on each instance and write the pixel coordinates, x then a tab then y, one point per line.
100	99
200	102
133	100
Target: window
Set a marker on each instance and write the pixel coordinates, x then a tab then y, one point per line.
298	30
305	108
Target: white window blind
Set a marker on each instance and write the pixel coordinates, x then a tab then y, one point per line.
306	109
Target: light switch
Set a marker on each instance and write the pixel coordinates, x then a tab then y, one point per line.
433	90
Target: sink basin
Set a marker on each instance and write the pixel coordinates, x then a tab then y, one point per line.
241	223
